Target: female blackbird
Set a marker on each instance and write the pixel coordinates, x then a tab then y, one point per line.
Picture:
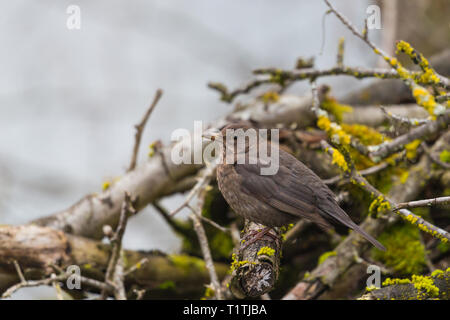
293	192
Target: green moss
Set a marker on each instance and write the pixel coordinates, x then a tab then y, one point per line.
221	245
404	253
325	256
444	156
167	285
209	293
187	263
443	247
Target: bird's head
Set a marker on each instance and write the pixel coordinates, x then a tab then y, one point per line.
238	138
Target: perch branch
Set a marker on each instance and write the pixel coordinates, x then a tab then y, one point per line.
256	265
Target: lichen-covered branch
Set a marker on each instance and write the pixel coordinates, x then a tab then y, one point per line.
436	286
345	254
38	249
256	265
383	150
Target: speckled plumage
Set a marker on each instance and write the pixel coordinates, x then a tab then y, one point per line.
294	192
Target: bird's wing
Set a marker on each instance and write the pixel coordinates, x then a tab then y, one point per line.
290	190
297	190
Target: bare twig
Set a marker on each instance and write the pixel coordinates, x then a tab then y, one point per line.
114	272
209	221
136	266
140	129
383	150
406	120
365	172
227	96
443	81
203	240
51	280
422	203
203	180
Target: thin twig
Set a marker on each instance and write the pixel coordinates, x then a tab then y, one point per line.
365	172
383	150
204	178
209	221
443	81
406	120
53	278
422	203
113	272
140	129
203	240
136	266
19	271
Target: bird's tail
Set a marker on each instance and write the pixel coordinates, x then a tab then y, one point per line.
369	238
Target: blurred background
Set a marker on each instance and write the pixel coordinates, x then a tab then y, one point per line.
69	98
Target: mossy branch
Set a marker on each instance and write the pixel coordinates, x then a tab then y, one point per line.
436	286
255	266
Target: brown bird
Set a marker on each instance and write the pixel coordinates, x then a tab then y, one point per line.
293	192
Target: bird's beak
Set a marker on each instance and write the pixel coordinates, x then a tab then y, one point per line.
211	135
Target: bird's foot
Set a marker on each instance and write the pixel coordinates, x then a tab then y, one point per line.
258	235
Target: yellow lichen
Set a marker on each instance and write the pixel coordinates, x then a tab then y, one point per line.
379	205
425	287
424	99
268	251
236	264
106	185
270	97
334	130
336	109
428	75
438	274
390	282
338	159
325	256
411	148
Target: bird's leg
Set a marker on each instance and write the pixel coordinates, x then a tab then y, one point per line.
257	235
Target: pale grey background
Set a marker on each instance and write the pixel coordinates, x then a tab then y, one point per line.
69	99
